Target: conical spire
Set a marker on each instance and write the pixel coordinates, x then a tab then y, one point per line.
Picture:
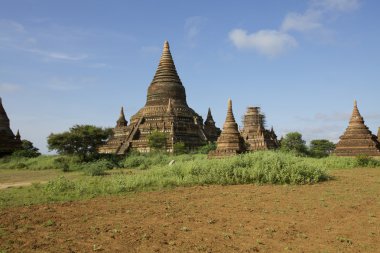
166	71
356	117
230	115
121	122
230	141
209	118
166	82
357	139
18	136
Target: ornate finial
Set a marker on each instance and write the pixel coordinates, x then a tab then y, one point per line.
122	112
166	45
355	103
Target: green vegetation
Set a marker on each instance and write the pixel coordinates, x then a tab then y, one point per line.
80	140
157	141
293	142
27	150
321	148
207	148
43	162
141	172
179	148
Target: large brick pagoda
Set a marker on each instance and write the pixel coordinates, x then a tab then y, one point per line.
357	139
166	111
8	141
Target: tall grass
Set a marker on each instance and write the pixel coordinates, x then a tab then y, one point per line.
256	168
153	171
43	162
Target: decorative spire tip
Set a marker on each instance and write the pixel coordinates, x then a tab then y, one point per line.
166	44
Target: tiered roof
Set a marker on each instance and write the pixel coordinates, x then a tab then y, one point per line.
357	139
230	141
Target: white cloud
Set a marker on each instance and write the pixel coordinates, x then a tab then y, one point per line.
273	42
310	20
9	87
57	55
193	29
267	42
336	5
11	25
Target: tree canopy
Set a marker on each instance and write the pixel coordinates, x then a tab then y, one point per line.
321	148
293	142
81	140
27	150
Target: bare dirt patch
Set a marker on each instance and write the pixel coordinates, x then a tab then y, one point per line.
337	216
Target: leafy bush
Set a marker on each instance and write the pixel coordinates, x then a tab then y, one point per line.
207	148
27	150
366	161
97	168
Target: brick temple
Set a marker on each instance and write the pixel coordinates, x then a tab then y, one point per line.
254	133
166	110
8	141
230	142
357	139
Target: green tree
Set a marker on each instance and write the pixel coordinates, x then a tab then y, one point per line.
321	148
27	150
157	140
293	142
80	140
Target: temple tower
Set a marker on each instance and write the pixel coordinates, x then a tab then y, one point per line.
8	141
230	141
165	110
254	132
357	139
212	132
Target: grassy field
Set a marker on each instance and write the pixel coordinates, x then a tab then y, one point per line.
49	183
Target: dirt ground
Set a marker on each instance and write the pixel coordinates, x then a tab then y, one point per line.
342	215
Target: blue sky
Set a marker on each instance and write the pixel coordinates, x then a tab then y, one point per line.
77	62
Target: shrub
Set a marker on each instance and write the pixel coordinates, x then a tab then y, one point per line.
366	161
207	148
97	168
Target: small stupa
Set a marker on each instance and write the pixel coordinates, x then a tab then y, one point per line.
8	141
212	132
254	132
357	139
230	141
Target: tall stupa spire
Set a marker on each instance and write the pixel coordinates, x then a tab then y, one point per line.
166	82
